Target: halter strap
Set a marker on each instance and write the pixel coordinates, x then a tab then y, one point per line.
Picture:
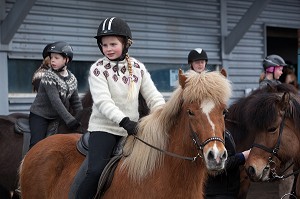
273	151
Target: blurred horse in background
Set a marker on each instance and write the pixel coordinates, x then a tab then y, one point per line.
237	121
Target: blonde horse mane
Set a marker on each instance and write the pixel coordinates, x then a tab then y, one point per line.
154	128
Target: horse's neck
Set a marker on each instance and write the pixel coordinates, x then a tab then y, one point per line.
188	177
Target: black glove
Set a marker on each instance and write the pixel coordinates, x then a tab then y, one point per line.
74	125
128	125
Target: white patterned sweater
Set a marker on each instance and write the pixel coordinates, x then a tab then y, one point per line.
110	84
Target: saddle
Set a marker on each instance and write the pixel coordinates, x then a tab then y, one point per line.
108	172
22	127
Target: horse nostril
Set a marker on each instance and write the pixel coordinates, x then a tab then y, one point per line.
210	155
251	171
224	156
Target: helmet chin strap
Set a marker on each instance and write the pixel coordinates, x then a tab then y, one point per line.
121	58
60	69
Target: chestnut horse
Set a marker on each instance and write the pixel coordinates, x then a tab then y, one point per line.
237	121
189	129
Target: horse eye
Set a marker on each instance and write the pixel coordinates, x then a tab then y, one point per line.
225	112
190	112
272	130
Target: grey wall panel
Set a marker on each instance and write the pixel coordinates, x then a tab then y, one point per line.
245	61
163	31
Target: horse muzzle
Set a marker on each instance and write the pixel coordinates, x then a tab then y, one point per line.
257	174
215	159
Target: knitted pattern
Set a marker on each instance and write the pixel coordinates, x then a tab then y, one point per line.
110	84
55	95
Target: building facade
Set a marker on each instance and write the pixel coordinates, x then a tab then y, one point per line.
235	34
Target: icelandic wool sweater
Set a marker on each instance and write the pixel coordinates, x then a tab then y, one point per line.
55	95
110	84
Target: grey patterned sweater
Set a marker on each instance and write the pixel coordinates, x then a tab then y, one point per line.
55	95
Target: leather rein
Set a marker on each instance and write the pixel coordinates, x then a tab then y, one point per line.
196	141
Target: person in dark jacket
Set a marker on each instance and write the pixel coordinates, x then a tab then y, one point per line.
226	185
57	91
273	67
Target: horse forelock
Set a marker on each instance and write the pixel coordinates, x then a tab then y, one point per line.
154	130
261	111
207	86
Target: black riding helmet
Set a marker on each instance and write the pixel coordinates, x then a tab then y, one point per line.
197	54
62	48
45	51
273	61
114	27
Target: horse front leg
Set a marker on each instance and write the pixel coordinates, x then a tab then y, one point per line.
244	183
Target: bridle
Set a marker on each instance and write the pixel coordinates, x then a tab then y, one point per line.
195	139
274	152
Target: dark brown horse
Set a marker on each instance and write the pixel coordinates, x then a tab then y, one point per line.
194	112
238	122
10	155
11	144
236	118
277	137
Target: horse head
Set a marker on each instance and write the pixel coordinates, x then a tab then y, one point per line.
274	134
204	114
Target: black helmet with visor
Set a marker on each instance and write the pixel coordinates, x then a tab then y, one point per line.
272	61
197	54
62	48
114	26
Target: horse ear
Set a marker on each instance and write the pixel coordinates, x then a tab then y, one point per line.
223	72
284	103
182	78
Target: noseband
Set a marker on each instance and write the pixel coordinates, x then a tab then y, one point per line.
273	151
